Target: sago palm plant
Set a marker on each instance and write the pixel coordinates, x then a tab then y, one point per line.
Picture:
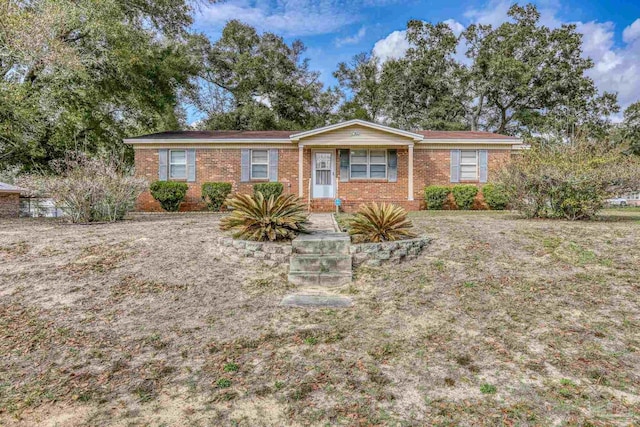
257	218
380	223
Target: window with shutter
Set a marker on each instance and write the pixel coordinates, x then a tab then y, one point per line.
468	165
259	164
368	164
177	164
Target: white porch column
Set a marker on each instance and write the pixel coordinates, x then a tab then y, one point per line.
300	170
410	172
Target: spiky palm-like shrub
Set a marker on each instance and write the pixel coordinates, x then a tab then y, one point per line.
380	223
257	218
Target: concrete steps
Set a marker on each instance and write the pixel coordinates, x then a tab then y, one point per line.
321	260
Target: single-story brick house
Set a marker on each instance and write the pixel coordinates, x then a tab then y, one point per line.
355	161
9	200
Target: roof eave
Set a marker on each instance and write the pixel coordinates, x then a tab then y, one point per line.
133	141
472	141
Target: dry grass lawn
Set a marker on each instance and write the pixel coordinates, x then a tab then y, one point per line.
501	320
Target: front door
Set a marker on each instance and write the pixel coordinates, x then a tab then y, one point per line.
323	174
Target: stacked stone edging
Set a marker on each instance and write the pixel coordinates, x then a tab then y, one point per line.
370	254
374	254
268	252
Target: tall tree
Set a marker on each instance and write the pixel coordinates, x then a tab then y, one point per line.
363	80
432	76
265	82
529	79
83	74
630	129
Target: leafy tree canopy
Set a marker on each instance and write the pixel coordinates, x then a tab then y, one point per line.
629	130
261	82
83	74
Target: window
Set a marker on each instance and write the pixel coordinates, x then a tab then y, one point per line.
177	164
369	164
259	164
323	168
468	165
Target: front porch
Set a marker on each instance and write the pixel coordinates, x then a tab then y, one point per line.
356	164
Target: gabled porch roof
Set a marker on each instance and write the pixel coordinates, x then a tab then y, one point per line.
348	123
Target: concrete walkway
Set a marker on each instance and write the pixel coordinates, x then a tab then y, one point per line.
323	223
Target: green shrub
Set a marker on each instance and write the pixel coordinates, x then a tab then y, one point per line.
464	195
435	196
215	193
495	196
269	189
169	194
570	181
256	218
380	223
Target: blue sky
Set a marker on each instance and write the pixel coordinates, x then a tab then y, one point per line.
335	30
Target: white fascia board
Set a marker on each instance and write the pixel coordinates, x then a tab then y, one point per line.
207	141
471	141
415	136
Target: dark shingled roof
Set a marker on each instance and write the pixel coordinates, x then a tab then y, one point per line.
284	134
461	134
219	134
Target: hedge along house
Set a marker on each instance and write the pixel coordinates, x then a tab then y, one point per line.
355	161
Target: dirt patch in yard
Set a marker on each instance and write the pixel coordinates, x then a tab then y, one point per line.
500	321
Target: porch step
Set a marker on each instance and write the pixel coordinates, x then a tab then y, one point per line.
321	259
306	278
323	243
315	263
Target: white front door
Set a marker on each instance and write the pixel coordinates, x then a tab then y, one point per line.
323	174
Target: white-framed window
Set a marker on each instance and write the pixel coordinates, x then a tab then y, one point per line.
177	164
259	164
468	165
368	164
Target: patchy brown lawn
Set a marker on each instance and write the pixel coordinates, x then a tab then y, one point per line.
500	321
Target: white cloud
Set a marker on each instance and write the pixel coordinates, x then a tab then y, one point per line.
395	44
354	39
391	47
288	17
616	69
455	26
632	32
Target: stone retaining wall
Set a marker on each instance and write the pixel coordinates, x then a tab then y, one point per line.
372	254
387	252
268	252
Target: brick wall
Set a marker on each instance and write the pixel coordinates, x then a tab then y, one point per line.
212	165
9	205
431	166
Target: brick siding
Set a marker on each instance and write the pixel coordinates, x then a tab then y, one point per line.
431	166
9	205
213	165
